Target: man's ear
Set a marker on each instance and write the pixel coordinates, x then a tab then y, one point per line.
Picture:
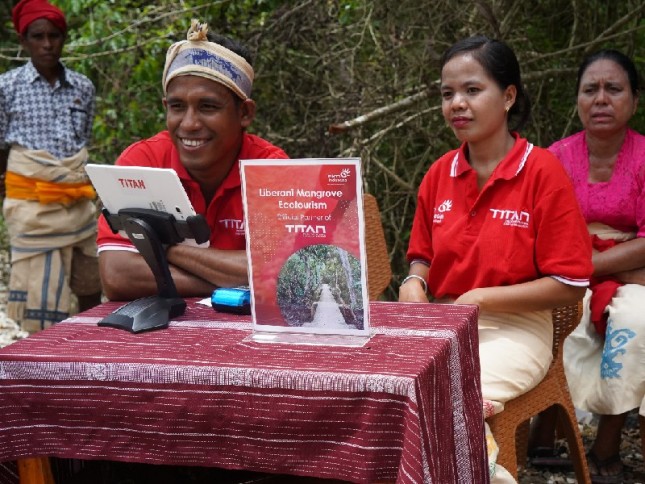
247	112
22	38
164	101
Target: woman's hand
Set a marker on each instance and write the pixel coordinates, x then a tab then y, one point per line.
536	295
412	291
634	276
624	258
415	286
474	296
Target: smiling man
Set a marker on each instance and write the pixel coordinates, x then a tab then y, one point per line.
46	115
207	84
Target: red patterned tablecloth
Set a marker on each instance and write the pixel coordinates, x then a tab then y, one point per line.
405	407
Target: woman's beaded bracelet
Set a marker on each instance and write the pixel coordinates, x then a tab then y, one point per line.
416	276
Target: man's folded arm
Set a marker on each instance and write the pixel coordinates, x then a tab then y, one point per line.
196	272
222	268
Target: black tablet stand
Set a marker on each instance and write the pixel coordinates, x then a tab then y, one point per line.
149	230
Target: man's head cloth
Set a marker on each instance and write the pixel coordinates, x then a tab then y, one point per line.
197	56
27	11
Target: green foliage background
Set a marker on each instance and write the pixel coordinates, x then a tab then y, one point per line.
320	63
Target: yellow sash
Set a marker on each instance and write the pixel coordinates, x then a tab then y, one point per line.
25	188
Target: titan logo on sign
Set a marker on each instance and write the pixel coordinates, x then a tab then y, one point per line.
306	229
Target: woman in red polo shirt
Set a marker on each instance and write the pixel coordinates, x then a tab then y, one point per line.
497	223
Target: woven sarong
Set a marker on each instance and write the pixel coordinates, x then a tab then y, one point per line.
606	375
43	237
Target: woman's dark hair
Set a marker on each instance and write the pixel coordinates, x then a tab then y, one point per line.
232	45
619	58
500	63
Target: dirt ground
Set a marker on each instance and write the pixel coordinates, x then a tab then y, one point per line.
631	454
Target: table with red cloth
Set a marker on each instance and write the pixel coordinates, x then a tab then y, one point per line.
404	407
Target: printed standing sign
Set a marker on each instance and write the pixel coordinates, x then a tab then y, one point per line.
305	245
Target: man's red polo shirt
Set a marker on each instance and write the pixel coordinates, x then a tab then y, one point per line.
524	224
224	214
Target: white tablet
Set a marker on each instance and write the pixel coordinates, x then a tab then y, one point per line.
160	189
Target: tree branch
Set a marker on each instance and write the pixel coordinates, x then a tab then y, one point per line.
380	112
136	25
90	56
587	46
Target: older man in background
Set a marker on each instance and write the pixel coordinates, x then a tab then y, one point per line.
46	115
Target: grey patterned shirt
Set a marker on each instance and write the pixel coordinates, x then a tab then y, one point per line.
39	116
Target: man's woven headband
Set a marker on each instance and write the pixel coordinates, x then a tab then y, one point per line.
199	57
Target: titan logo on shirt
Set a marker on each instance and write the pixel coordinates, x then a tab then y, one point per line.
233	224
511	218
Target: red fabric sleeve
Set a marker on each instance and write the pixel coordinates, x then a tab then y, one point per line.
563	247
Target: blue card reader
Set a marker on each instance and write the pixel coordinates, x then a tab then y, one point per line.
232	300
